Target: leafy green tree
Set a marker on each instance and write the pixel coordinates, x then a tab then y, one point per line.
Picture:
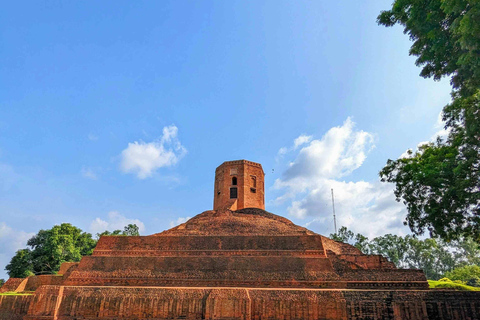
20	265
433	256
467	274
108	233
2	282
466	251
358	240
392	247
362	243
343	235
430	256
49	249
130	230
445	35
439	183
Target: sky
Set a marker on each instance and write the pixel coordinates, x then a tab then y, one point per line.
118	112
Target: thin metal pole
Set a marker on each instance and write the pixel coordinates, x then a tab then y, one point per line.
334	219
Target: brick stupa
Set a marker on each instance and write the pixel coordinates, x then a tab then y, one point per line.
237	261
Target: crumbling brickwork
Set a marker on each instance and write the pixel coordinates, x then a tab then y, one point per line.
245	264
14	285
14	307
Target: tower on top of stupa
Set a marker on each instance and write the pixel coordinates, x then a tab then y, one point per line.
239	184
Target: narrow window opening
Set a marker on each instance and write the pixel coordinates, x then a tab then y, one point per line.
254	182
234	181
233	193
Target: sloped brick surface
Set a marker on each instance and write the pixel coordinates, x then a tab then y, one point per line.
235	265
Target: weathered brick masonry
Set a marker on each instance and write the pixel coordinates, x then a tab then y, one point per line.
234	262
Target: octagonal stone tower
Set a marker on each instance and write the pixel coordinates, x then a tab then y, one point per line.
239	184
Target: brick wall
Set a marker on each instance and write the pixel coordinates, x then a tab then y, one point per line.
48	279
249	184
14	285
69	303
14	307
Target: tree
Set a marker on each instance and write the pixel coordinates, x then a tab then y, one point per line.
439	183
357	240
343	235
49	249
392	247
467	274
2	282
130	230
466	252
434	256
20	265
430	256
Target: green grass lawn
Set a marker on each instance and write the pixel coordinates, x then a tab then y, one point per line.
450	285
11	293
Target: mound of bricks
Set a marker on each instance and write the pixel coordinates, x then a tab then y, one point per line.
232	263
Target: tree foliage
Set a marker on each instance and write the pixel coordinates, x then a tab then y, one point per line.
20	265
48	249
434	256
440	182
469	275
129	230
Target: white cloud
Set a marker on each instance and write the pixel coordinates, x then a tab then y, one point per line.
115	221
10	241
301	140
88	173
92	137
440	127
440	133
282	151
179	221
323	164
340	151
143	159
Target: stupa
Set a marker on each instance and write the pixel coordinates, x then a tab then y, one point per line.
237	261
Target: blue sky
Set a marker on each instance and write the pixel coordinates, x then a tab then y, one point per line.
117	111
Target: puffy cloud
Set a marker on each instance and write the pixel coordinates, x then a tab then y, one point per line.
324	164
115	221
340	151
179	221
10	241
88	173
143	159
440	127
440	133
301	140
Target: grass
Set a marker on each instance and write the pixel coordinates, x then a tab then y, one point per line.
11	293
450	285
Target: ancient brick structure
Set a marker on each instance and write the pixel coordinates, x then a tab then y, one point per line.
234	262
239	184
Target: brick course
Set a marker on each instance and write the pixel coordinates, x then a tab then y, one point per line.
229	264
